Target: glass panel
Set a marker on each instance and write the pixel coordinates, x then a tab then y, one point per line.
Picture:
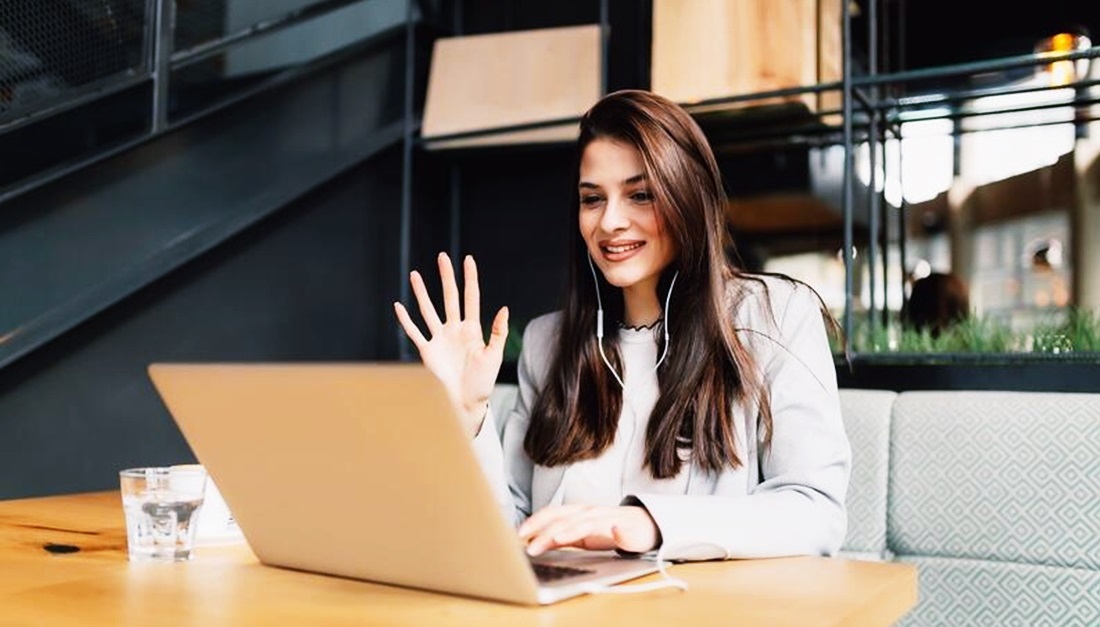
203	21
53	51
248	63
75	135
999	196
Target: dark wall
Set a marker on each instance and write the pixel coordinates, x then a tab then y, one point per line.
517	216
265	230
313	282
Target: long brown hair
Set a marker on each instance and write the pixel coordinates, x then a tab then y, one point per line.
576	414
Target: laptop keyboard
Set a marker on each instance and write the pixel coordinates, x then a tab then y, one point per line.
552	572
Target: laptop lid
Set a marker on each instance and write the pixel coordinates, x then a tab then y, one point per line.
356	470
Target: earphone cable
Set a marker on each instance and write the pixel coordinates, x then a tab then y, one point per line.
666	580
599	323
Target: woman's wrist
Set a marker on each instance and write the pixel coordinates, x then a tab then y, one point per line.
475	414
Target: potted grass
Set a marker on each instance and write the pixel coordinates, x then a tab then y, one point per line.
977	353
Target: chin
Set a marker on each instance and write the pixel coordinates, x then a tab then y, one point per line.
621	279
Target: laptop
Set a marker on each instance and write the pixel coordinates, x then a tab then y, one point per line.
362	470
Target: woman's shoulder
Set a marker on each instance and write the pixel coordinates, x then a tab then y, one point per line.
762	300
756	291
539	337
543	325
540	333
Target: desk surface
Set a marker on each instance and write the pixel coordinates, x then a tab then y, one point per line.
227	586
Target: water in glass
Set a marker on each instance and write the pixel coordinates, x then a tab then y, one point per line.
161	508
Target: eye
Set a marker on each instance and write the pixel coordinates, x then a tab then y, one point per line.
642	197
591	200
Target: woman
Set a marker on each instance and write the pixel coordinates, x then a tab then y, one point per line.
675	403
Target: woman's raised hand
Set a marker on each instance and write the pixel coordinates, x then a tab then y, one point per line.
457	352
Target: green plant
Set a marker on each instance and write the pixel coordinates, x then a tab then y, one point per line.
1077	331
514	343
1080	331
976	335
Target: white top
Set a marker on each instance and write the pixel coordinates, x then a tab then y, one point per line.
786	500
619	471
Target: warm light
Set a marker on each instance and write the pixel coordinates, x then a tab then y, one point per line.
1064	72
1061	292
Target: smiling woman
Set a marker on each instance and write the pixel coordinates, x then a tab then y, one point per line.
621	227
707	425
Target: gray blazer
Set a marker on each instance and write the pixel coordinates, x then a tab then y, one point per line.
788	500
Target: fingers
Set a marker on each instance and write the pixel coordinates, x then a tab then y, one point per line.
540	530
450	289
545	516
499	333
586	529
411	330
427	310
629	528
473	292
451	307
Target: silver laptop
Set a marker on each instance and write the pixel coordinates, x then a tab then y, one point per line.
363	471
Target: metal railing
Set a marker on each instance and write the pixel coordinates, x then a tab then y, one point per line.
173	60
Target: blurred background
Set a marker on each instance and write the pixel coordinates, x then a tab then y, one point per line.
206	180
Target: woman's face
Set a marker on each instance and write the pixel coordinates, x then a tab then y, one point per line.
618	216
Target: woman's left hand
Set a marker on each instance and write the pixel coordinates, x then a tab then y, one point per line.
626	527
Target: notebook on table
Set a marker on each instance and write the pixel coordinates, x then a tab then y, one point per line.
362	470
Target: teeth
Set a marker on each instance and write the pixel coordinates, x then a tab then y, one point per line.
623	249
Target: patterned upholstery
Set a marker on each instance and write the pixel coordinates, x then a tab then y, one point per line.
867	422
1009	476
961	593
996	497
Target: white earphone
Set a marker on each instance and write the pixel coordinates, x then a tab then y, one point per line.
599	322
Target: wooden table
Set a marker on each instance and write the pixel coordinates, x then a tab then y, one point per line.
226	585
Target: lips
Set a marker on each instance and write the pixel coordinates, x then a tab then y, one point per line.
618	251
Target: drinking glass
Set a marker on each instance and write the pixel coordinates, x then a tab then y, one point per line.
162	507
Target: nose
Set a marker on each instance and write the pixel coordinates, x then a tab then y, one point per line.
614	217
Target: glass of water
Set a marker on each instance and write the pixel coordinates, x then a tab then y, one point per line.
162	507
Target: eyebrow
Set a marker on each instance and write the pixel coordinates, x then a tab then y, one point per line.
637	178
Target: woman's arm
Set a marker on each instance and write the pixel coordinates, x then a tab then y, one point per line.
537	347
487	448
456	352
